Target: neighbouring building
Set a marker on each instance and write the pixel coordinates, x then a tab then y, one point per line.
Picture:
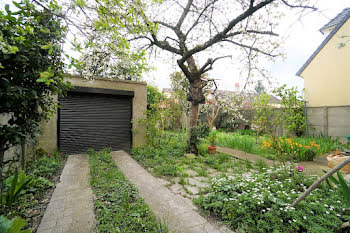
326	77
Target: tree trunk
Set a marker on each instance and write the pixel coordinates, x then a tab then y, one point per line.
194	114
195	96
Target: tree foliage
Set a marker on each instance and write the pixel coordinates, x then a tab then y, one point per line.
163	113
292	110
289	114
32	69
266	119
259	87
103	32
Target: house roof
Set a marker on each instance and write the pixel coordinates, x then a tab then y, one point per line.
338	22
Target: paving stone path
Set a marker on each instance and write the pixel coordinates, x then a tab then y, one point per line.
71	205
177	212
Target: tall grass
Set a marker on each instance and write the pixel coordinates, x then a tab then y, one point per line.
245	143
249	144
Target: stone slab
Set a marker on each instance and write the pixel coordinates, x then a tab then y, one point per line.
71	205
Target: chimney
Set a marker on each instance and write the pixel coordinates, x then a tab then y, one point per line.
236	87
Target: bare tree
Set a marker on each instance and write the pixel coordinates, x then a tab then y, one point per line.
197	33
189	29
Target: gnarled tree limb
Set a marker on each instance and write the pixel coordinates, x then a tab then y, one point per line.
319	181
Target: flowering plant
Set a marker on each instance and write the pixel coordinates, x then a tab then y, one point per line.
261	202
291	150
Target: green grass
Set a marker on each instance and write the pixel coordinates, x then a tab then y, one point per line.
245	143
168	160
118	208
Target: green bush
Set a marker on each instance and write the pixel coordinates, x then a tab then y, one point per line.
309	155
261	202
202	131
118	207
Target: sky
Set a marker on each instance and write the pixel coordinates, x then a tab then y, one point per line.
304	37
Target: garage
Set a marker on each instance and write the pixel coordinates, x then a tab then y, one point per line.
95	118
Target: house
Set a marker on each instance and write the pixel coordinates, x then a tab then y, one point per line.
326	77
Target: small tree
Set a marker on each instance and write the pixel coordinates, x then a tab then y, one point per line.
259	87
266	119
162	114
292	110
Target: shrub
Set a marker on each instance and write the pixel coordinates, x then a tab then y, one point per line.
261	202
212	140
202	131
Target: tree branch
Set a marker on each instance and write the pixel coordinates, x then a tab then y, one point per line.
318	182
199	16
298	6
184	14
221	35
165	45
208	65
251	47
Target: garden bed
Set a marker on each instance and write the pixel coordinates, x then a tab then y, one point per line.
31	205
299	148
117	204
260	202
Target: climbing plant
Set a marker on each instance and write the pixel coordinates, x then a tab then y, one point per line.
31	70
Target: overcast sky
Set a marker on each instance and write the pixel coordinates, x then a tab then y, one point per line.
304	38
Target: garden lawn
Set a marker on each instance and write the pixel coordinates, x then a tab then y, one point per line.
250	144
118	208
168	160
260	202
